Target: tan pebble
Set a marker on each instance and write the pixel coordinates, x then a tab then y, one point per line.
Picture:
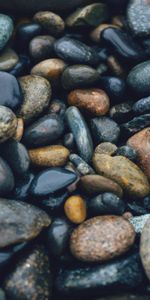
75	209
20	130
118	21
106	148
115	66
51	22
127	215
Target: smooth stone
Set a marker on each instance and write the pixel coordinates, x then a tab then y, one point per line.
8	123
121	112
7	27
50	156
141	143
80	132
31	277
74	51
127	152
142	106
95	184
123	273
94	101
90	15
37	93
51	69
17	157
130	177
7	181
139	222
75	209
136	208
25	32
44	131
105	204
19	130
51	180
50	22
95	34
77	76
115	87
136	124
21	67
41	47
138	17
106	148
145	248
105	129
21	190
15	214
102	238
54	205
8	59
69	141
81	166
57	237
11	95
139	77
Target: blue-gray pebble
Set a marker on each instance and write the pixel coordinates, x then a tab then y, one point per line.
138	15
6	30
139	79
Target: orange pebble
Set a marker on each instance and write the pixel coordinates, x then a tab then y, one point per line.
75	209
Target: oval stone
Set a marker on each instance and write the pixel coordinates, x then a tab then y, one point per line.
105	129
102	238
138	17
8	59
41	47
139	77
145	248
8	123
130	177
75	209
6	26
142	106
50	22
7	181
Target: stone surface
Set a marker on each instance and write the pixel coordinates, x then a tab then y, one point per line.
37	93
139	77
7	180
82	167
50	22
106	148
29	219
6	30
121	112
130	177
8	59
138	17
136	124
21	190
50	156
127	151
75	209
8	123
142	106
145	248
41	47
102	238
105	129
94	101
139	222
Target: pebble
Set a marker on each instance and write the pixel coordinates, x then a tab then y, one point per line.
105	129
74	51
41	47
25	32
90	15
7	27
77	76
136	124
29	219
95	184
94	101
21	190
122	112
139	77
80	132
139	222
51	180
130	177
7	181
124	273
19	130
50	156
57	107
138	17
142	106
81	166
127	151
8	59
68	141
145	248
105	204
50	22
37	93
102	238
11	95
75	209
95	34
31	277
141	143
44	131
8	123
22	66
115	87
106	148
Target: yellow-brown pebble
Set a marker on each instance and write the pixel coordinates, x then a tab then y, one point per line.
20	129
49	156
75	209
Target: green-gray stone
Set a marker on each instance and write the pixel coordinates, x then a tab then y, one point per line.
138	15
6	30
139	79
8	59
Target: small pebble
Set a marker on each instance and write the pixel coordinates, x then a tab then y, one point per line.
50	22
82	167
41	47
8	59
105	129
8	123
75	209
106	148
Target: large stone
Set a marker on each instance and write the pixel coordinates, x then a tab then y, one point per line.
138	14
6	29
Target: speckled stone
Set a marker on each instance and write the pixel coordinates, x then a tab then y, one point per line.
139	77
138	14
8	123
136	124
7	180
145	248
94	101
95	184
50	22
50	156
8	59
82	167
19	130
6	30
37	93
30	278
29	219
139	222
142	106
41	47
75	209
102	238
106	148
130	177
105	129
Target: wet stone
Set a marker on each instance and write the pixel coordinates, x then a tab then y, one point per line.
7	181
6	25
115	87
41	47
21	190
50	22
138	17
142	106
75	209
82	167
105	129
136	124
145	248
106	148
121	112
8	59
8	123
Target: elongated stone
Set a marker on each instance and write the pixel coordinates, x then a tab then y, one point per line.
6	30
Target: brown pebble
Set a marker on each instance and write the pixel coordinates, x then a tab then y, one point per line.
75	209
95	184
118	21
115	66
94	101
95	34
19	130
127	215
102	238
49	156
145	248
106	148
50	22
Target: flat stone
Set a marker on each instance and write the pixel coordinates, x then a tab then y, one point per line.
29	219
7	181
102	238
8	59
138	17
50	22
75	209
8	123
6	30
145	248
130	177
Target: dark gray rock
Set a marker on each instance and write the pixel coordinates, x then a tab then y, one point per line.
105	129
6	30
136	124
139	78
7	181
142	106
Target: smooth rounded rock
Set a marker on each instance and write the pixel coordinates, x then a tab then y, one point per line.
22	185
75	209
106	148
41	47
102	238
25	32
6	26
145	248
50	22
82	167
115	87
105	129
8	59
7	180
138	79
142	106
8	123
138	17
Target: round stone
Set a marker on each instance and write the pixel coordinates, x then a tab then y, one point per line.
75	209
106	148
6	30
41	47
50	22
102	238
8	123
8	59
